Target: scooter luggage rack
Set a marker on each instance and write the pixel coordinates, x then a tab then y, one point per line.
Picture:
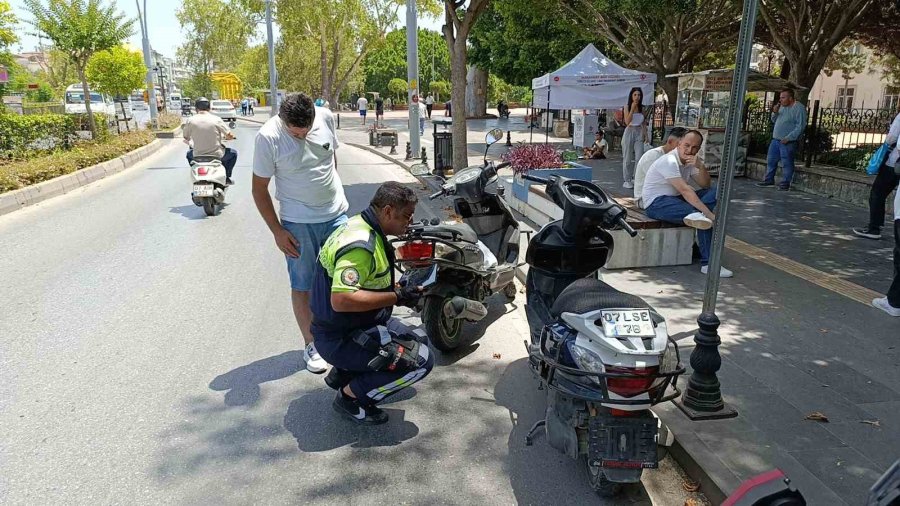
432	259
671	378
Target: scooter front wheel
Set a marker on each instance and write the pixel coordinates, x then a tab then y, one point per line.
444	332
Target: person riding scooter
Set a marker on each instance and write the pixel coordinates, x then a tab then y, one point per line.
208	133
353	293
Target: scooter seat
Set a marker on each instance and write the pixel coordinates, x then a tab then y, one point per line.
206	159
462	230
591	294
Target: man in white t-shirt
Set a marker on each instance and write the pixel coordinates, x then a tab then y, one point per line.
362	104
297	149
668	196
647	159
598	149
429	104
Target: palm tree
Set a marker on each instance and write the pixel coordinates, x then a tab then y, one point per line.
80	28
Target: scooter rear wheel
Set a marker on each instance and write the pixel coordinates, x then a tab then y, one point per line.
210	207
444	332
601	485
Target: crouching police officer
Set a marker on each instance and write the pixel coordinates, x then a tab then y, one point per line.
373	355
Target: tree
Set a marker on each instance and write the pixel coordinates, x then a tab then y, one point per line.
389	60
216	34
254	68
807	32
397	86
57	69
660	36
198	85
7	22
80	28
880	30
439	88
847	58
458	23
116	72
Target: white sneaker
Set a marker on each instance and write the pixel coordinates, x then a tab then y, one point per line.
886	306
628	184
698	221
723	272
314	362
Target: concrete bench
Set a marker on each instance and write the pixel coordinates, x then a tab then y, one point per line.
658	243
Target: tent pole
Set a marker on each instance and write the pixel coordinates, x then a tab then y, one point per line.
549	116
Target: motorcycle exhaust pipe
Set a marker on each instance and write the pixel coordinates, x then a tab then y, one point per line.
463	308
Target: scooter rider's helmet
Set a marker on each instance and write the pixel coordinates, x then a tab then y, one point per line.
320	102
202	104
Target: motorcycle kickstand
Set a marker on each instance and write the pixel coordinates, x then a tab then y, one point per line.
529	438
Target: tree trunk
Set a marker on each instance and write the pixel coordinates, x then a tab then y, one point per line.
458	57
87	101
670	86
476	92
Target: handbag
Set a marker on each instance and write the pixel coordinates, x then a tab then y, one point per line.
877	159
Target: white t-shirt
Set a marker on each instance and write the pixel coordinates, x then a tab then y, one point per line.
423	111
640	172
666	167
892	136
208	133
307	185
429	100
362	103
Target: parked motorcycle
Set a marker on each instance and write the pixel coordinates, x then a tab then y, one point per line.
604	356
474	259
209	184
502	109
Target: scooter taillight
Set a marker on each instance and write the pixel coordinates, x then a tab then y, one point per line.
638	381
415	249
202	171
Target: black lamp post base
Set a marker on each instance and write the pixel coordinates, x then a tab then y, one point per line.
694	415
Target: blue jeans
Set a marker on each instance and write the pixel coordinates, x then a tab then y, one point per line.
311	237
673	210
785	153
228	160
421	126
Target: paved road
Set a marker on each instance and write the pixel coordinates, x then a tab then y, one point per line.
148	355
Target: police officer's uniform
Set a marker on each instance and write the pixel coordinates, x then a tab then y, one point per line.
357	256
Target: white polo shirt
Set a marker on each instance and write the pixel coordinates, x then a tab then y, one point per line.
667	167
307	184
643	165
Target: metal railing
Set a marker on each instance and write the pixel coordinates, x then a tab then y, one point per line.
43	108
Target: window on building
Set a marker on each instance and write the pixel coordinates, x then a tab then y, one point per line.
891	98
845	97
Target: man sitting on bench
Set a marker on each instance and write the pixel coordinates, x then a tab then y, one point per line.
667	195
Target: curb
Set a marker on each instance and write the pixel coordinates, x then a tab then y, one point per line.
169	134
248	120
372	150
23	197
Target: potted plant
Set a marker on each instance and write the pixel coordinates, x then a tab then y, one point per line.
540	160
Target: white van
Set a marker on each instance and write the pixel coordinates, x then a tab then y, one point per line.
99	103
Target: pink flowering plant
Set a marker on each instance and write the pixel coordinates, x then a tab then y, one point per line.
524	157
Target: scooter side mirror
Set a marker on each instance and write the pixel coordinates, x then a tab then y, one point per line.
419	169
493	136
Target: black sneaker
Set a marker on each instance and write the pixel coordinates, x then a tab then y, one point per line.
229	181
762	184
350	408
868	233
784	187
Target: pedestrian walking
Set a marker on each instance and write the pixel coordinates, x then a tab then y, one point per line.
390	103
379	110
890	304
244	105
423	113
635	135
789	117
297	148
362	104
885	182
251	103
429	104
447	111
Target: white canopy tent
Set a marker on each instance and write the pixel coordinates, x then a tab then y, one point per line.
590	81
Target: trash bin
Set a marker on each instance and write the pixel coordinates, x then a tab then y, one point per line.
443	150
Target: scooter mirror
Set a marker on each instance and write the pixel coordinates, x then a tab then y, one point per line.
419	169
493	136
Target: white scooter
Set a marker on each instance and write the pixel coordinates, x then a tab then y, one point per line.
208	175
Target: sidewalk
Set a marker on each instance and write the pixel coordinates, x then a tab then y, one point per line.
798	336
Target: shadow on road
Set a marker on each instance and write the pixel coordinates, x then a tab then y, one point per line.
242	384
193	212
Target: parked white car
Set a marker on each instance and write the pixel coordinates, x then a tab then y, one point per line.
223	109
99	103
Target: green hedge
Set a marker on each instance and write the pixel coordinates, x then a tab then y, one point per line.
18	174
856	159
21	135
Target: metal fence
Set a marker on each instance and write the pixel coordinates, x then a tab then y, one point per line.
44	108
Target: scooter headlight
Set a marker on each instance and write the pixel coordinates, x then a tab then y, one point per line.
586	360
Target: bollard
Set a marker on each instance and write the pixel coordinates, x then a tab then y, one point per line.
393	145
408	152
508	139
338	121
424	156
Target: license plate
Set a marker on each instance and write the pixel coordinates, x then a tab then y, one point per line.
204	190
627	323
627	443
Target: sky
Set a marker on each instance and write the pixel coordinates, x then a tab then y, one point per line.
165	32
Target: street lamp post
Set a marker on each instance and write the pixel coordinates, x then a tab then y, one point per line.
145	42
702	399
273	82
163	75
412	72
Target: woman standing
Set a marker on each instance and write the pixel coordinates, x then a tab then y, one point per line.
635	135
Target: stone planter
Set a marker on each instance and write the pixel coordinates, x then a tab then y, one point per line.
572	170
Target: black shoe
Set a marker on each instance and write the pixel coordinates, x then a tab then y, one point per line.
350	408
868	233
338	378
784	187
229	181
765	183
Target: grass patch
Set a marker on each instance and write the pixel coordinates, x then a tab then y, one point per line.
21	173
169	121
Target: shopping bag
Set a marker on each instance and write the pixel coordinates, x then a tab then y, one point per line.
877	159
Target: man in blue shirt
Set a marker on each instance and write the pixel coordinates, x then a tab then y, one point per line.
789	117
